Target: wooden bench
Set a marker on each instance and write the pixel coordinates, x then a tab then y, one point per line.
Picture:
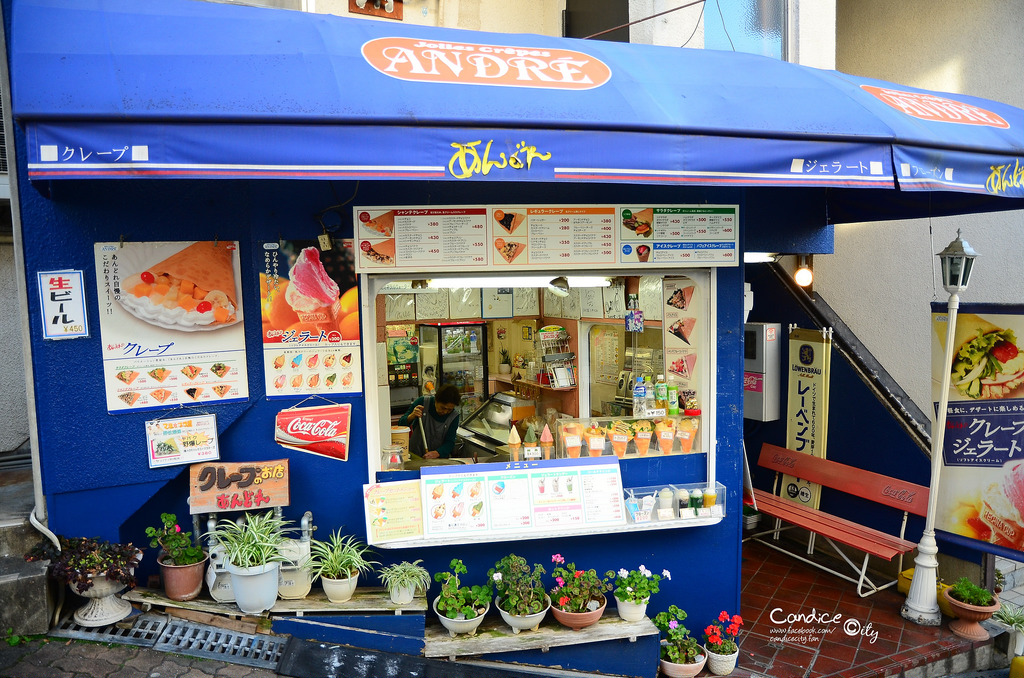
897	494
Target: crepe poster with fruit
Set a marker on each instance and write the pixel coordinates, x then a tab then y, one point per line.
321	430
171	323
686	323
981	486
310	318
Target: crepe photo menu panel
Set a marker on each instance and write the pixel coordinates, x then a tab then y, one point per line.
170	324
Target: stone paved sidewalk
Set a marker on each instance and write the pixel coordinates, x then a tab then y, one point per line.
61	658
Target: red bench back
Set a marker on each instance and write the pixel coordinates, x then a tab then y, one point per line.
893	492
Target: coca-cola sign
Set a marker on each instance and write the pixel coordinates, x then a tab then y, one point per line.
320	430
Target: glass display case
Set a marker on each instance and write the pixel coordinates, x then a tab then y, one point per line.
456	353
627	437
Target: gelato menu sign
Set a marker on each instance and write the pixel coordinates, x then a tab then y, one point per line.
309	306
981	489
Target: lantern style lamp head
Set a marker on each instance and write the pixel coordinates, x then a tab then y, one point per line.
957	261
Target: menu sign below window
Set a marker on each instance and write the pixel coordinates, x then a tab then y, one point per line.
538	237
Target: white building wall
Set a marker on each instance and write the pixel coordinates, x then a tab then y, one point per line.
13	406
883	275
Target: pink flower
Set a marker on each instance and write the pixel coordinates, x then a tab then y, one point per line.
177	528
673	624
557	558
560	581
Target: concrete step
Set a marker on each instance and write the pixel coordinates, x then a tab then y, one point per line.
17	535
28	600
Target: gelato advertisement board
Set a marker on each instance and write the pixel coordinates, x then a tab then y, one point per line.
309	306
981	488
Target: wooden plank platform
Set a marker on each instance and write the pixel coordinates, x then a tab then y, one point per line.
368	599
494	635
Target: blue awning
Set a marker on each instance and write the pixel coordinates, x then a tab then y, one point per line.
177	88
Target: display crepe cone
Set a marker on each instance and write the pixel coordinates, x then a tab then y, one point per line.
666	438
513	451
572	438
546	449
686	432
643	442
595	444
619	443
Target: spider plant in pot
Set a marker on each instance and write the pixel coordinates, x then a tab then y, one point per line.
1012	616
402	580
252	548
338	563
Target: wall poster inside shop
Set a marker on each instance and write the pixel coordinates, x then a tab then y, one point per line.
525	237
310	310
171	324
981	486
685	337
183	440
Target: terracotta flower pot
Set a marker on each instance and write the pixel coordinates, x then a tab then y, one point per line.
182	582
967	625
579	620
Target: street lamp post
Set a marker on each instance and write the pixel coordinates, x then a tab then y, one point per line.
922	605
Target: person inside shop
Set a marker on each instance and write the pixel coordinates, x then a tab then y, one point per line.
435	421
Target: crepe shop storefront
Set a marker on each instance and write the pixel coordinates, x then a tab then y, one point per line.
325	176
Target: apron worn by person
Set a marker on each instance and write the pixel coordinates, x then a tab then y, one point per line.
436	431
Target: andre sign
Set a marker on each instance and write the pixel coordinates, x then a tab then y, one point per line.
475	64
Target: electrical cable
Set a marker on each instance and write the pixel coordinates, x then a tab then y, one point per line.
696	25
722	17
646	18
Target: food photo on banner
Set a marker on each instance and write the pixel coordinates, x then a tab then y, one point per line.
309	306
171	324
981	488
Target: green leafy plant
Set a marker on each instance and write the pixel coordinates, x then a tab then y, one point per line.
520	588
457	599
13	639
255	542
504	357
720	635
79	559
968	592
401	575
678	646
340	557
1000	580
636	586
576	590
176	544
1011	615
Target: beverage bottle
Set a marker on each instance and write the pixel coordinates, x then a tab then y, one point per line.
649	399
460	382
673	398
639	399
472	341
661	393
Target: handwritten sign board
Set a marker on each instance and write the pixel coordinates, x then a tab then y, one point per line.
393	511
184	440
220	486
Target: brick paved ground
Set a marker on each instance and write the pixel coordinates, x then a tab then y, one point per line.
60	658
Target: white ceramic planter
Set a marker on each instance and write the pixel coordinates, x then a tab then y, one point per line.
673	670
527	622
629	611
721	664
457	626
339	590
103	607
255	588
402	595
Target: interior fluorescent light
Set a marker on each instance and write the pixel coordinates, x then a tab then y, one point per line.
542	281
759	257
589	281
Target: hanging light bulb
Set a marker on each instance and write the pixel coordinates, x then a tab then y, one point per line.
804	275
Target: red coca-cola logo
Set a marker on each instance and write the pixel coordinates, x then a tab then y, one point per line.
315	430
320	430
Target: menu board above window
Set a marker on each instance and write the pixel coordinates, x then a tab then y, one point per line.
542	237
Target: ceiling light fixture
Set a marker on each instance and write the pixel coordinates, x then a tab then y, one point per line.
804	274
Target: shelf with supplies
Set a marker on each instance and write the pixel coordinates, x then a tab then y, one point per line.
529	383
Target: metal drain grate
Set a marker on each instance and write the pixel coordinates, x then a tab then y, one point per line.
197	640
144	632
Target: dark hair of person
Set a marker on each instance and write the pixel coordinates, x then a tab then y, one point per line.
448	394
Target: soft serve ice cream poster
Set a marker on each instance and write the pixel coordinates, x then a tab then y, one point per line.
171	324
981	489
310	310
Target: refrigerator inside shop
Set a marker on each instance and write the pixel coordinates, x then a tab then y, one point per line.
456	353
403	372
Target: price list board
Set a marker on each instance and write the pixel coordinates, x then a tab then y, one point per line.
544	237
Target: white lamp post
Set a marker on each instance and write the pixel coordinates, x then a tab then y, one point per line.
922	606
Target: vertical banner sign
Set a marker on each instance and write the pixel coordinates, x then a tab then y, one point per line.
981	485
686	328
810	357
309	305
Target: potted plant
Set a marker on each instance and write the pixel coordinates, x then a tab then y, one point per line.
182	563
1012	617
633	590
577	599
681	654
338	563
522	600
972	604
720	643
252	548
460	607
504	361
403	579
94	568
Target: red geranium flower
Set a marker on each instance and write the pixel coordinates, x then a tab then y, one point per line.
724	616
563	600
579	573
733	629
714	640
710	630
736	619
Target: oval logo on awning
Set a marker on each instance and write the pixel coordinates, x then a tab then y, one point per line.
472	64
936	108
